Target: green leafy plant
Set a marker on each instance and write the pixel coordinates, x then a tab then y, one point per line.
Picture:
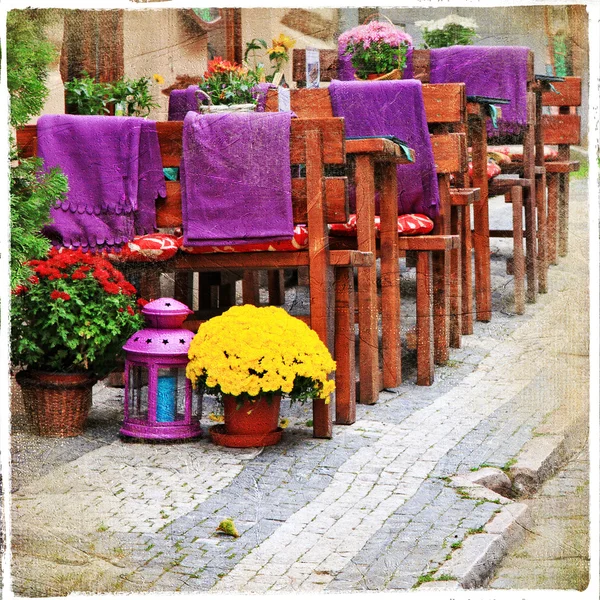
73	315
88	96
32	191
130	97
452	30
133	95
375	48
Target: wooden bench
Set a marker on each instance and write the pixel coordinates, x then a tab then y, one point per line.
317	201
433	252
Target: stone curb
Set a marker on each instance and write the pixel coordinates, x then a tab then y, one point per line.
543	455
472	565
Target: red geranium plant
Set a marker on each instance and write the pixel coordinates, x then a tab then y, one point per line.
74	314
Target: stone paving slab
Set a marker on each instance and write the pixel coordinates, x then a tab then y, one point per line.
375	508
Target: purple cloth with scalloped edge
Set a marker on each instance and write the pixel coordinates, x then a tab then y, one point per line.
181	102
494	71
346	70
114	169
235	178
396	107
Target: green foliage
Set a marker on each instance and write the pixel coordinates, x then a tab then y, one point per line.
131	97
32	193
87	96
28	55
134	95
451	34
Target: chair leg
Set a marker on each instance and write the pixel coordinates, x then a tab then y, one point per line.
563	215
552	184
531	244
345	376
250	289
441	306
466	247
424	319
276	288
518	256
542	233
456	282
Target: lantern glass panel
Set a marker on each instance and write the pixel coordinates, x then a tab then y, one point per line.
170	394
138	393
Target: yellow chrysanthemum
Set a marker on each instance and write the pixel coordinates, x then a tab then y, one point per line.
259	350
158	78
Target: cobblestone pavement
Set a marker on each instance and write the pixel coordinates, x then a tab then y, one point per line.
371	509
555	554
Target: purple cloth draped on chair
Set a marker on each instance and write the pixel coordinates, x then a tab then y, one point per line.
372	108
346	70
495	71
182	101
235	178
114	169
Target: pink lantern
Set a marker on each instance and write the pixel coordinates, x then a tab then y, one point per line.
159	400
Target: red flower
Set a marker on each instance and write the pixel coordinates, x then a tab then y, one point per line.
111	288
56	295
34	279
141	302
130	310
78	275
20	289
121	309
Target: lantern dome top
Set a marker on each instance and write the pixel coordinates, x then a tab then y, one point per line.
166	313
164	336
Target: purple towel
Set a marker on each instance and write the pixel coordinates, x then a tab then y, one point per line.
393	108
346	70
495	71
182	101
235	178
114	170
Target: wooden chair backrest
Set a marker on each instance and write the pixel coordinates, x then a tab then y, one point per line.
565	127
446	102
168	210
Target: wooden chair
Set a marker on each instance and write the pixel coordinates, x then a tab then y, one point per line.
317	201
519	190
446	112
433	253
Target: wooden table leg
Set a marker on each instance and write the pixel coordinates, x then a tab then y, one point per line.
552	181
542	233
467	273
424	319
518	256
456	275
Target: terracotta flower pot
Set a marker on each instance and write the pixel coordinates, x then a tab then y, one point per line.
58	403
395	74
252	425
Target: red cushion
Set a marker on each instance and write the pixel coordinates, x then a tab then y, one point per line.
152	247
298	242
492	169
407	225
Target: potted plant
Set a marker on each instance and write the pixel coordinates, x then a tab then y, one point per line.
377	50
68	324
452	30
248	357
124	97
278	54
228	86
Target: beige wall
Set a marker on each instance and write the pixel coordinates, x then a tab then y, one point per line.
159	41
266	23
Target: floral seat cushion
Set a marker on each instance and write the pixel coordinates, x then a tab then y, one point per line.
413	224
298	242
516	152
153	247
